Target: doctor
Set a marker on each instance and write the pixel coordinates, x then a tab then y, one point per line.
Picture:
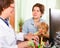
7	36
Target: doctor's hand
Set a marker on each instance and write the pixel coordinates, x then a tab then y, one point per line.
31	36
23	44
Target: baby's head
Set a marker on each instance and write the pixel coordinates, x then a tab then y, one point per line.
43	27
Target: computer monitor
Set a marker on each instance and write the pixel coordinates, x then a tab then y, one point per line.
54	16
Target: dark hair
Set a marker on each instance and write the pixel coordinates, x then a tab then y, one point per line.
41	7
5	4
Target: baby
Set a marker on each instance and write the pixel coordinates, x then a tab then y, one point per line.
42	32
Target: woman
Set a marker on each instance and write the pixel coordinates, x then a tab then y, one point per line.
7	35
30	26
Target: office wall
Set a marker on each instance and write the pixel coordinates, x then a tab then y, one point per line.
24	9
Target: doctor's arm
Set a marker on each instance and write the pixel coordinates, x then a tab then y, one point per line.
21	36
3	44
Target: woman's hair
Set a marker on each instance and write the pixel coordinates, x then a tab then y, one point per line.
5	4
41	7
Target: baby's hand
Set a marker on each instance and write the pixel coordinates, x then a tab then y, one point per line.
41	33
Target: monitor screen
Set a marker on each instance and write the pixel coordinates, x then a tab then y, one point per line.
54	16
54	21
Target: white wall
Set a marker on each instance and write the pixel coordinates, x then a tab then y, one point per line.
17	13
24	9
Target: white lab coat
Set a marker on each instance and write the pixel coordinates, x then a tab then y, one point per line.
7	36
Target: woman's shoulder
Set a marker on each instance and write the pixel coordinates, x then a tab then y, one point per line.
29	20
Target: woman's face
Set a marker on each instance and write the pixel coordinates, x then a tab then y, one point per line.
36	13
